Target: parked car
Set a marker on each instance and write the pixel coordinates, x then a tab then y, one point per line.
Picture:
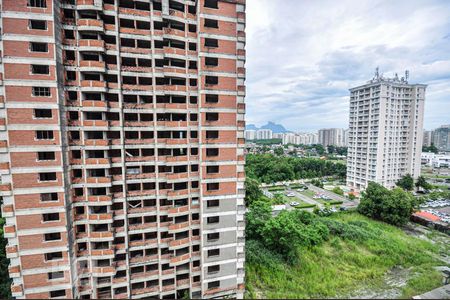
293	203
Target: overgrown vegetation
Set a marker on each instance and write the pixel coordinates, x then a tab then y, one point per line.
431	148
406	182
338	190
391	206
331	149
267	142
268	168
300	255
317	182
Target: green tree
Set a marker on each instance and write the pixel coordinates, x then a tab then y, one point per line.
286	232
422	183
431	148
258	213
278	198
331	149
341	150
269	168
351	196
406	182
252	191
338	190
398	208
317	182
394	207
319	149
279	151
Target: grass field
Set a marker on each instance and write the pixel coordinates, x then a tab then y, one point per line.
340	267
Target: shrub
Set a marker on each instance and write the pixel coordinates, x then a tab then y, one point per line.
338	190
317	183
393	207
306	205
336	202
351	232
275	188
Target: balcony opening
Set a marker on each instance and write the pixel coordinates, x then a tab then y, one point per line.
192	47
38	47
177	186
211	4
176	6
213	80
48	176
213	186
212	152
211	117
211	23
212	169
212	134
212	43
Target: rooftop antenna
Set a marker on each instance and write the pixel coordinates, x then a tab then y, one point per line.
396	77
406	76
377	73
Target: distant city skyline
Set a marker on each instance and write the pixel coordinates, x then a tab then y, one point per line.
297	80
319	128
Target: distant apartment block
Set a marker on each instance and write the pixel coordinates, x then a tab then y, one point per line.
441	138
331	136
385	132
277	135
300	138
264	134
122	147
427	138
250	135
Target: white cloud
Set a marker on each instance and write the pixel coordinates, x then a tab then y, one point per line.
304	55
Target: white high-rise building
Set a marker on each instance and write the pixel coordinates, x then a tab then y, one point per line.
441	138
346	131
298	138
263	134
331	136
250	135
427	138
386	131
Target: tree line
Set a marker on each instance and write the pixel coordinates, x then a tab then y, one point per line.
268	168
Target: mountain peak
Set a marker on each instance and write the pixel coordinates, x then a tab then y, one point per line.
276	128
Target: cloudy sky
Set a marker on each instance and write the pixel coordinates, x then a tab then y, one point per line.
304	55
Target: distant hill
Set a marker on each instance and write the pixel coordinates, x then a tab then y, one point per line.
276	128
251	127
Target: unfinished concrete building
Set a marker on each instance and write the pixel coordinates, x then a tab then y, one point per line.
122	147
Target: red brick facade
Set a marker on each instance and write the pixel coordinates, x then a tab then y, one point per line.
123	138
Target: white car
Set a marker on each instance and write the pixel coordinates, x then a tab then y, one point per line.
290	194
293	203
